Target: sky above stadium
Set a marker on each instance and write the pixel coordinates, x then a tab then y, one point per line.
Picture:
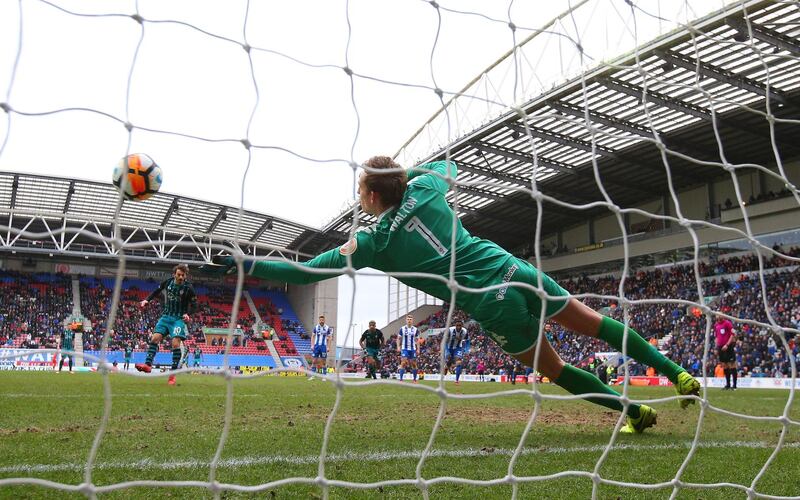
309	119
190	90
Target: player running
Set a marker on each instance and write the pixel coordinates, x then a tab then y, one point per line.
321	336
371	341
413	233
407	341
180	301
455	344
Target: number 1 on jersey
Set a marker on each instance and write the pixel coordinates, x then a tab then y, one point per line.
417	225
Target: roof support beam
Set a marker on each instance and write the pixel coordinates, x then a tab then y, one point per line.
221	216
571	142
688	109
513	155
480	213
70	192
656	97
631	128
336	237
520	181
766	35
173	207
601	118
489	195
515	179
297	245
508	200
724	76
499	198
586	146
14	186
266	226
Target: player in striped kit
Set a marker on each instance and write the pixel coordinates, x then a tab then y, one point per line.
320	340
179	301
407	345
454	345
417	232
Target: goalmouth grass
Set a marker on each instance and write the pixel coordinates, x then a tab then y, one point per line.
161	433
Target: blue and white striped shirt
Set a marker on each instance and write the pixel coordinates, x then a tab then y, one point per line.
455	339
321	334
408	338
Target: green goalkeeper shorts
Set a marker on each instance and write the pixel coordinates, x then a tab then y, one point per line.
372	353
510	315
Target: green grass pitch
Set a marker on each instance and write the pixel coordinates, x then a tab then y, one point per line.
48	422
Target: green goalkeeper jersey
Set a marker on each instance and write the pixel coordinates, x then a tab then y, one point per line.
415	236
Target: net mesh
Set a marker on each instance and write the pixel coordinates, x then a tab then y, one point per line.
539	59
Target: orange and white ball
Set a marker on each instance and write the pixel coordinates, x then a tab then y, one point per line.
137	176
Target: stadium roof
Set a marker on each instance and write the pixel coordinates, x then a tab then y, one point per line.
41	204
741	60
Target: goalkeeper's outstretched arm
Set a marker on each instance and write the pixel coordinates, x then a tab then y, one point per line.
332	263
332	260
378	192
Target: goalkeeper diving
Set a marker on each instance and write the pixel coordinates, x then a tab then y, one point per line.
414	232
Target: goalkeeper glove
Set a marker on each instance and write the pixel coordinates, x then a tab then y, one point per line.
219	265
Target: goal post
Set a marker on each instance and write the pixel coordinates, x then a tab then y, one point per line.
607	130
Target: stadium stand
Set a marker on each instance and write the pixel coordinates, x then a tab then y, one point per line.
214	309
292	337
34	307
731	283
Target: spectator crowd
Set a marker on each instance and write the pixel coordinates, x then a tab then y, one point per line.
678	328
33	308
659	304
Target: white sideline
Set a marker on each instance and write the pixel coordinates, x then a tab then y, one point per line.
376	457
122	395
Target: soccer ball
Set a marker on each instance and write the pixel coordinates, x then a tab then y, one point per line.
143	176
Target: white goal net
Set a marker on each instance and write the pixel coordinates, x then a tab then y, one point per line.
612	117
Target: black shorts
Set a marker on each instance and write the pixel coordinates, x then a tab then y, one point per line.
727	355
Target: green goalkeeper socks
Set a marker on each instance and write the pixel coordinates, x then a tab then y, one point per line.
638	348
577	381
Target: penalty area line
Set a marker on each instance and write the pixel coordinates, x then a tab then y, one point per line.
219	394
372	457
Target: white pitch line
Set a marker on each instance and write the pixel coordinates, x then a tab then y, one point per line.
221	394
373	457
